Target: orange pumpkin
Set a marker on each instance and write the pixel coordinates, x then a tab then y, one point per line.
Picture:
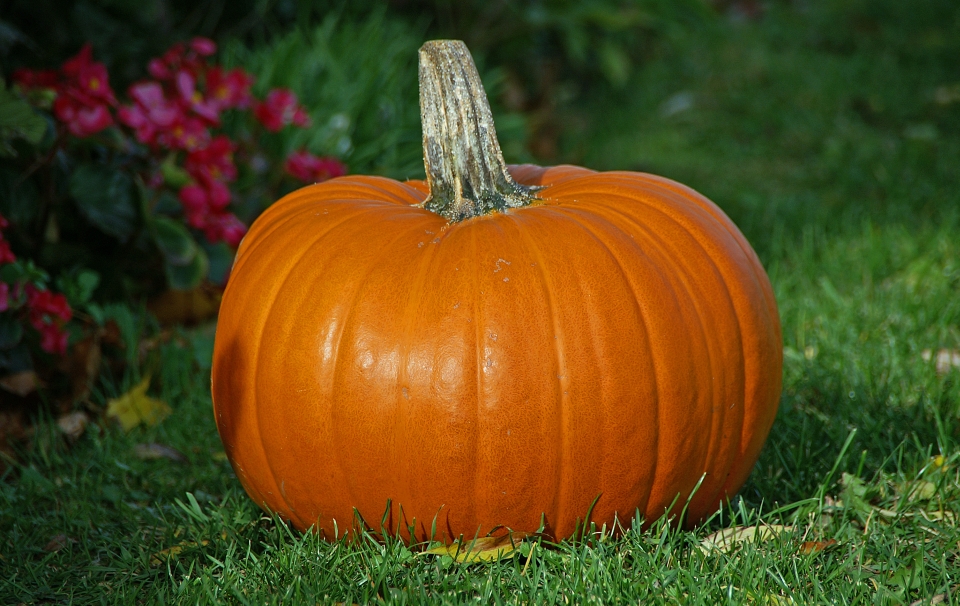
606	337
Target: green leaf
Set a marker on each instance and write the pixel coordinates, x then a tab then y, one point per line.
221	260
18	120
615	63
173	175
175	242
107	198
185	277
18	198
78	286
11	331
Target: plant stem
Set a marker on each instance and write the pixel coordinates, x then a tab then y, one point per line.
466	173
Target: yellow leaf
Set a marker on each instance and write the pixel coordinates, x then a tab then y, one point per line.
725	540
484	549
171	552
135	407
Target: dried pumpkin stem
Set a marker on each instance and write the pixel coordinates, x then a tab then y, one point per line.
465	169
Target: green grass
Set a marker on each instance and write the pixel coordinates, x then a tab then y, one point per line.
821	135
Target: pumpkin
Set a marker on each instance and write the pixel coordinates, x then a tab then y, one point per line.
517	347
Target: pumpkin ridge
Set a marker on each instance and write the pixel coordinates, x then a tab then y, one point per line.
559	495
338	358
426	261
273	223
576	216
256	417
584	219
478	374
685	278
261	351
769	320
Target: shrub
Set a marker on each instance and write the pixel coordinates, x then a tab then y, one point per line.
128	198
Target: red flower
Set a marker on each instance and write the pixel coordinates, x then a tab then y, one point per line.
213	162
83	92
312	169
6	255
53	339
202	199
81	120
225	227
229	89
281	109
180	57
47	313
44	304
40	78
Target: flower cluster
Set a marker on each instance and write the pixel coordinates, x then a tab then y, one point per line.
83	95
46	311
312	169
176	114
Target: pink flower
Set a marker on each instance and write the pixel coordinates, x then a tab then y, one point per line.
151	114
158	69
281	109
312	169
229	89
190	98
203	46
4	296
188	133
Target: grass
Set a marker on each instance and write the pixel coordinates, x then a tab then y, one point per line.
820	132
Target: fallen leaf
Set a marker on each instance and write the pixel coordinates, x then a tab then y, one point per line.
808	547
81	364
923	490
135	407
940	598
725	540
57	543
73	424
158	451
483	549
21	383
938	516
946	360
172	552
186	306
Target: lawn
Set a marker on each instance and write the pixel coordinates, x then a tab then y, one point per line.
830	133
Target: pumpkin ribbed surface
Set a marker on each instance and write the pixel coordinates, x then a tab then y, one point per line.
618	339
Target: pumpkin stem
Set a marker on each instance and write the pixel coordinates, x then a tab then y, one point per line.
466	173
